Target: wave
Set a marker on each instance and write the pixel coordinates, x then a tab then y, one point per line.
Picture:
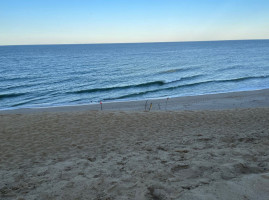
5	79
187	85
15	87
4	96
186	78
229	68
173	71
244	78
158	83
157	90
148	84
23	103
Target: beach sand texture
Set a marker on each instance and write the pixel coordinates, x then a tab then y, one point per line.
220	154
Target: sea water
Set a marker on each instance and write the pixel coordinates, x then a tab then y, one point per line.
54	75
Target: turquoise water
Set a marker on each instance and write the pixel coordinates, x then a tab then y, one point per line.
52	75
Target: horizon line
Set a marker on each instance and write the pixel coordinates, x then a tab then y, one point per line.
131	42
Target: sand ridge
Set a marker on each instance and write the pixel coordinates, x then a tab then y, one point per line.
135	155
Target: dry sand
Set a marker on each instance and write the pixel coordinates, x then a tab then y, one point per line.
87	154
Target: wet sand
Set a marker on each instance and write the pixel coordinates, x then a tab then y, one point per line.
223	101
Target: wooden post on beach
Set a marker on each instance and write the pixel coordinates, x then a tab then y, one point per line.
146	105
101	105
166	103
150	106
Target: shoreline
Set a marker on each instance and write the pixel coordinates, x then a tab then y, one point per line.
219	101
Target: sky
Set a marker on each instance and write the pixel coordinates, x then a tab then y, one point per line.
128	21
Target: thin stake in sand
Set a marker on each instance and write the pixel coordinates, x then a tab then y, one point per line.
150	106
166	103
146	105
101	104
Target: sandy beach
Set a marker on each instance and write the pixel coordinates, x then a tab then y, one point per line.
203	147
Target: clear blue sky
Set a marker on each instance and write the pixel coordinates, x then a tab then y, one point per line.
113	21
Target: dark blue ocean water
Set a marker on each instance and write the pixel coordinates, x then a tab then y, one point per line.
51	75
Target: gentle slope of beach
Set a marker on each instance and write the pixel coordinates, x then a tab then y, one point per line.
207	153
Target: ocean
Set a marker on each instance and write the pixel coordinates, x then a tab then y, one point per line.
60	75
